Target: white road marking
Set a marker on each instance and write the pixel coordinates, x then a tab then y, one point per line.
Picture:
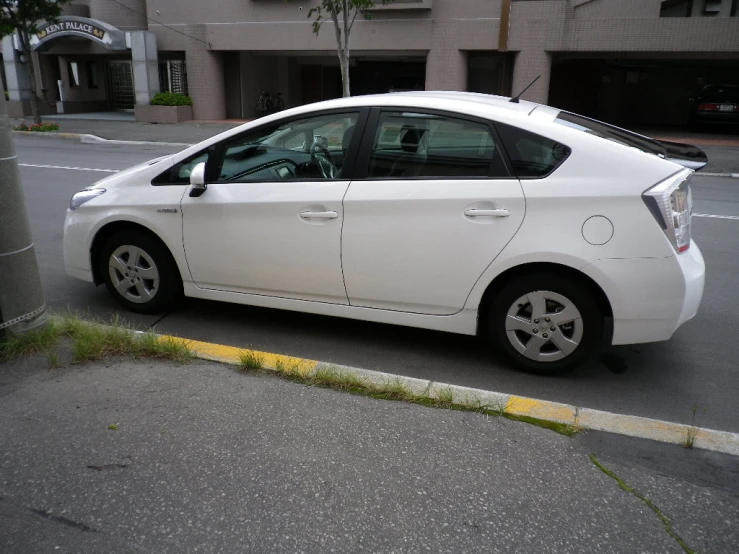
72	168
712	216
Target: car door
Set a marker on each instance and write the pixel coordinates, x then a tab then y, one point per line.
433	204
269	221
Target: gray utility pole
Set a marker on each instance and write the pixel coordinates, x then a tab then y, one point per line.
22	305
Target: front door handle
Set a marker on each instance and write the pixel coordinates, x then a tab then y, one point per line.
500	212
319	215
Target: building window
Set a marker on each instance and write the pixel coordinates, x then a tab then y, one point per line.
712	7
734	8
74	74
173	76
676	8
92	75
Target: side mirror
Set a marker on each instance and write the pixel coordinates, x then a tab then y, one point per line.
197	180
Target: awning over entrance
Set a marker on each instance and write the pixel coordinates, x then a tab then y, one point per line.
106	35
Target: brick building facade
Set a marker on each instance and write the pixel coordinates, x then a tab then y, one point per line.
617	59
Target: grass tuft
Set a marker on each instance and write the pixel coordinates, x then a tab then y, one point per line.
251	361
561	428
92	341
43	340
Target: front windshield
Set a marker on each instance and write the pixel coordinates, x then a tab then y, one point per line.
610	132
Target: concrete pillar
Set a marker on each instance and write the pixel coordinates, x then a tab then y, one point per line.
530	64
145	66
16	73
22	305
446	68
205	80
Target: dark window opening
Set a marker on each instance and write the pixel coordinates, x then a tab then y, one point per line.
173	76
676	8
73	74
92	75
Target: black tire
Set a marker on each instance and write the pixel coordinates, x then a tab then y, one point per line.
586	331
165	292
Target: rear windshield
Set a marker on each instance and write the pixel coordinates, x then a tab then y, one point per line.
715	93
609	132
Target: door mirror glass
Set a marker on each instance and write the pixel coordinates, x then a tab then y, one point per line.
197	176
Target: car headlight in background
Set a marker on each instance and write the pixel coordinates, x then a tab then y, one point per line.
671	203
84	196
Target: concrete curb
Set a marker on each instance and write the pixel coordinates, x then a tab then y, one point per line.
578	418
94	139
706	174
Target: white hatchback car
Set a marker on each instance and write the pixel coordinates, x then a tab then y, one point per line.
541	230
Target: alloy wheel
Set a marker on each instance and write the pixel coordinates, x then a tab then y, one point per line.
134	274
544	326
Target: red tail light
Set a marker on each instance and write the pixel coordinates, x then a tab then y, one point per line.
707	107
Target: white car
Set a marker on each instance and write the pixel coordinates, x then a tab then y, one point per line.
544	232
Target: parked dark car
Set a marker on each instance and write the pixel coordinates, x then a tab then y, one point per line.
715	104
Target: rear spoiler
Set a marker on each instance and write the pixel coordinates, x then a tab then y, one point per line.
686	155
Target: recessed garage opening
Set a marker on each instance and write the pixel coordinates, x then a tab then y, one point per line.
646	92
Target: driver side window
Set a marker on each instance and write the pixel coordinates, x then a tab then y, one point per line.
299	149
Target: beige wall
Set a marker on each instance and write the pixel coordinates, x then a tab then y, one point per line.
624	26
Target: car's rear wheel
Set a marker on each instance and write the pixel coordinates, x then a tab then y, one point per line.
545	323
140	273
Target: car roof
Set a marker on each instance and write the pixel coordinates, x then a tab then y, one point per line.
451	100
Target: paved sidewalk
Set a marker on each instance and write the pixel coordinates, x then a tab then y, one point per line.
190	132
207	459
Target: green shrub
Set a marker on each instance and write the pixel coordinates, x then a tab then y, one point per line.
171	99
37	127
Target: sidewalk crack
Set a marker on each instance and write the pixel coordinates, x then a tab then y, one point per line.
660	514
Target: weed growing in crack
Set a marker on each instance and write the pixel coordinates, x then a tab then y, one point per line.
660	514
691	432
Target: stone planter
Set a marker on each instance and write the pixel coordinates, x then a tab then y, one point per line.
163	114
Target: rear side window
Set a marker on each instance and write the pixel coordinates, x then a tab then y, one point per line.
411	145
532	156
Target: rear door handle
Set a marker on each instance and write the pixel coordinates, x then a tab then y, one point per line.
487	213
319	215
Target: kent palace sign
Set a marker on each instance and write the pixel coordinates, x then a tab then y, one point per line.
51	29
73	26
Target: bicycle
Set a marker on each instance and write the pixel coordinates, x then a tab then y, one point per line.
269	103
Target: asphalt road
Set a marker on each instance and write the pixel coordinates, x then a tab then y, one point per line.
698	367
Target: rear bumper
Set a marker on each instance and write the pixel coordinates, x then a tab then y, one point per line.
716	117
651	297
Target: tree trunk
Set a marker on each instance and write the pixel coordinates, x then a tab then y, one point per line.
343	58
346	91
26	47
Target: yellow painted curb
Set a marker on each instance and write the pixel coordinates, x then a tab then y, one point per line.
48	134
579	418
541	409
232	355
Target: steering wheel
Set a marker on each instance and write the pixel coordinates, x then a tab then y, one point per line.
322	157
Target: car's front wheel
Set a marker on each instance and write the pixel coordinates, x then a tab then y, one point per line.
140	273
545	323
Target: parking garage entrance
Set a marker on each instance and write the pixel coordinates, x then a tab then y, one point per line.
636	91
